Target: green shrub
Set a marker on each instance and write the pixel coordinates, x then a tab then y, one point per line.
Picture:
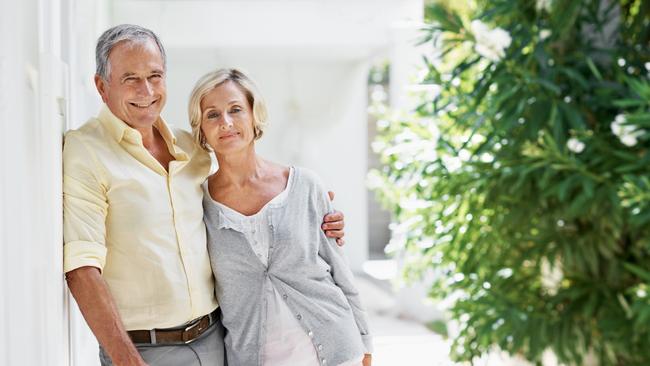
524	177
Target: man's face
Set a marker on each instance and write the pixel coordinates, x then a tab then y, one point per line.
135	90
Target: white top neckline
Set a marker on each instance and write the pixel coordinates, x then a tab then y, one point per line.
237	216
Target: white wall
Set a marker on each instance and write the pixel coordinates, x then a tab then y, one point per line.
33	311
41	68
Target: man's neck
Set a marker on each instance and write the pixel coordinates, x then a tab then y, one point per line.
149	135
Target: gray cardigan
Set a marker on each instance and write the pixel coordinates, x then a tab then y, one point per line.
305	266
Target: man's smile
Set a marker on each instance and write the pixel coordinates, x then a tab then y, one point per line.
143	104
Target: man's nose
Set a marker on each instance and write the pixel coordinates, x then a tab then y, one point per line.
145	88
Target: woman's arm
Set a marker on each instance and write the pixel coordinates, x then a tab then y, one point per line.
341	273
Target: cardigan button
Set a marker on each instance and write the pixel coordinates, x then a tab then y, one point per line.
299	317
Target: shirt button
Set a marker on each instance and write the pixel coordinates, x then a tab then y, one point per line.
320	347
324	362
299	317
310	334
284	296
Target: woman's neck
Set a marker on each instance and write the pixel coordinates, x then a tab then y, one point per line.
239	168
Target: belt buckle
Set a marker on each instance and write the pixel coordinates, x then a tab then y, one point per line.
185	336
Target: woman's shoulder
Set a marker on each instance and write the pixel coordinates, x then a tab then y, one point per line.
306	176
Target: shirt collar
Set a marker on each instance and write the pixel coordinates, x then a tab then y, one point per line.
119	130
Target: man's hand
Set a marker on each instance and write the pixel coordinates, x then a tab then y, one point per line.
98	308
367	359
333	224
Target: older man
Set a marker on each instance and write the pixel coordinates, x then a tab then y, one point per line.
135	252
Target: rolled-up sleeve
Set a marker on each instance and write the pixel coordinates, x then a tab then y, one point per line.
84	207
341	273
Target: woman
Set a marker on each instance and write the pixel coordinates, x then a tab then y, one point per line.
285	290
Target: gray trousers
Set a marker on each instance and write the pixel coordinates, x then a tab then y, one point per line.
207	350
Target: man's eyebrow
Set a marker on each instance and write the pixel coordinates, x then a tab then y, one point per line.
158	71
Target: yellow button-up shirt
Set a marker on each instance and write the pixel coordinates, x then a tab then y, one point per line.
139	224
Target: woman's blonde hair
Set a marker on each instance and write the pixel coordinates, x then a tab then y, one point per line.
212	80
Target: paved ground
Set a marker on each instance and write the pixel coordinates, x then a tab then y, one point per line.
398	341
401	341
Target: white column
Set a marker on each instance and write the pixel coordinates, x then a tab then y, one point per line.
34	328
405	62
37	39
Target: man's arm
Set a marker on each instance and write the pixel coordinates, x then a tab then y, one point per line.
98	308
85	206
333	224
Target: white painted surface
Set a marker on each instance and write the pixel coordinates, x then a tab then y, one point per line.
274	23
38	39
33	307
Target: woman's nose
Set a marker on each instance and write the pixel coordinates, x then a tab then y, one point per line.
226	122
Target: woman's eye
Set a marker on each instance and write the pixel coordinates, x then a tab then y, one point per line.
213	115
235	110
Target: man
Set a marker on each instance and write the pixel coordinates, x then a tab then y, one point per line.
135	252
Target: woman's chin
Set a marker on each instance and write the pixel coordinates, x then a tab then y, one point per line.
230	149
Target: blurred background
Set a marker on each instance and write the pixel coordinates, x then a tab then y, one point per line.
491	159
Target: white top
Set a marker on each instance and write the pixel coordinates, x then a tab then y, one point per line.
286	342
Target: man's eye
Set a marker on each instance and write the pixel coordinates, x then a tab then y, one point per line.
130	80
155	76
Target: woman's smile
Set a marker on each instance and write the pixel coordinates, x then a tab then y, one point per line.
228	136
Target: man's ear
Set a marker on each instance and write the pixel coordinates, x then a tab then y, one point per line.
101	86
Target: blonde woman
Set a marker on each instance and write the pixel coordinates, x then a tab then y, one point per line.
285	290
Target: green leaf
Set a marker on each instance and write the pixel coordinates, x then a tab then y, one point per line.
637	271
594	69
627	103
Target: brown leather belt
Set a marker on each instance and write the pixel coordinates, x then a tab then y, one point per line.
186	334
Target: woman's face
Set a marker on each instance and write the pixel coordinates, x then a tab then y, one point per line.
227	119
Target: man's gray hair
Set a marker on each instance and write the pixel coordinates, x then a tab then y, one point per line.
119	33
